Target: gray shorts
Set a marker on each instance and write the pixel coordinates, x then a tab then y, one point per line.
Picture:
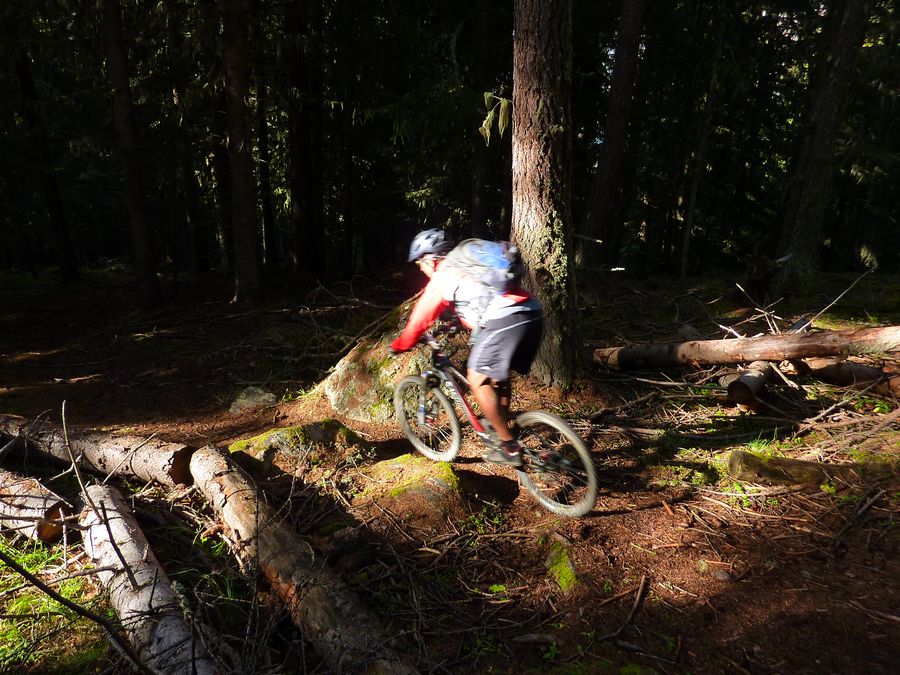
508	343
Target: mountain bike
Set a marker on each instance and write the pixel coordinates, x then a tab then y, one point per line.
557	468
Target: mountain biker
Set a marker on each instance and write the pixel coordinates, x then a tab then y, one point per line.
507	329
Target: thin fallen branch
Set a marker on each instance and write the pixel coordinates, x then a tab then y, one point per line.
641	591
871	496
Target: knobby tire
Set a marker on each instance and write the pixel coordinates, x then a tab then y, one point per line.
558	472
440	436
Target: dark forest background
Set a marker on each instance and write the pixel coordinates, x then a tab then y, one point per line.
264	141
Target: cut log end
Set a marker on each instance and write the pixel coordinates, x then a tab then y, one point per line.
180	467
50	528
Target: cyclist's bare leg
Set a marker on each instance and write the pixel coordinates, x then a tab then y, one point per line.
492	405
503	396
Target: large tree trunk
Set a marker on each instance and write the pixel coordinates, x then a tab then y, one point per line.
30	509
139	589
305	113
330	616
222	172
704	133
133	456
602	218
764	348
248	277
811	197
141	241
65	252
542	223
270	240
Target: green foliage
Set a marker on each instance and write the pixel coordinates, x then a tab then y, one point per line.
495	103
404	87
33	620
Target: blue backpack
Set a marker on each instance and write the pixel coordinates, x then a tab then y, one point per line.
496	264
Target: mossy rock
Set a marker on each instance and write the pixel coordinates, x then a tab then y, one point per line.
415	489
361	386
291	449
560	567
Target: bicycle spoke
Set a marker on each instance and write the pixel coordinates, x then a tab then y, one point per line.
427	419
558	470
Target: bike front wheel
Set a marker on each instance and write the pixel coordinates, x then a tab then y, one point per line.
558	469
427	418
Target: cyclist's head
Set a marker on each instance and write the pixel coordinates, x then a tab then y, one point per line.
432	242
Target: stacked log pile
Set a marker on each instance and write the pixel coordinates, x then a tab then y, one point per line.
344	634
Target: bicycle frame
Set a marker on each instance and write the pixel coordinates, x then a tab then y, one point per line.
443	371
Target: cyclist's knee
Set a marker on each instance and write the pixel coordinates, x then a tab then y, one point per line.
477	379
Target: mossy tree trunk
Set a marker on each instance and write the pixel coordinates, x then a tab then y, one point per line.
541	146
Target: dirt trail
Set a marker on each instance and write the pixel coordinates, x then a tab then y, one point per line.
736	580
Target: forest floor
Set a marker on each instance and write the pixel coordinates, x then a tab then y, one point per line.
678	568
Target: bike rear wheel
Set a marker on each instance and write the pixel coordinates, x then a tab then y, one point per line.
427	418
558	469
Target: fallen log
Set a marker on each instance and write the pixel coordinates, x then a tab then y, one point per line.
852	374
744	385
30	509
326	611
147	459
776	348
139	589
752	468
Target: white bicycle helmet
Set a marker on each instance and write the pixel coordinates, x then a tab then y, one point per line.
429	242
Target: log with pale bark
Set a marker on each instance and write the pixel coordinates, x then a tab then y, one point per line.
752	468
746	384
146	459
329	614
851	374
30	509
139	589
857	341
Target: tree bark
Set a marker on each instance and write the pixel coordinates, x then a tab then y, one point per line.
222	172
744	386
248	277
330	615
702	146
602	219
141	240
270	240
811	197
850	374
133	456
65	252
305	114
139	589
746	466
30	509
541	220
765	348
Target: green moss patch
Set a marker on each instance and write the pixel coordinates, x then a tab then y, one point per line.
560	567
410	471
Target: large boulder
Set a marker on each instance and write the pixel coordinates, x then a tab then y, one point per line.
361	385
